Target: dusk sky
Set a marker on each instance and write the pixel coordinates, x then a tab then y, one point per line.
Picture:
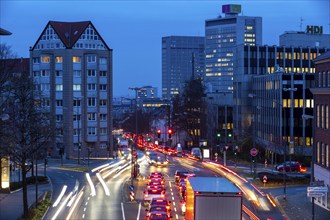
133	29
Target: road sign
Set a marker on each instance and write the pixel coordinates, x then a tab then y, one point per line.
315	194
131	187
253	152
320	189
264	179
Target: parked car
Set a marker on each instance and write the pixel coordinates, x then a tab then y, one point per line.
291	166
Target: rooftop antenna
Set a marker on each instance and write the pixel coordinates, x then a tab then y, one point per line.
301	23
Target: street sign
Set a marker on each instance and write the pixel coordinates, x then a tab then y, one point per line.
264	179
320	189
315	194
253	152
131	187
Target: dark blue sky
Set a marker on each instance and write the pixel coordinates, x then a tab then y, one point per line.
133	29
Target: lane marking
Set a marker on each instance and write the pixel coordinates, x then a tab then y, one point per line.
173	202
83	216
122	211
172	197
176	216
138	216
175	209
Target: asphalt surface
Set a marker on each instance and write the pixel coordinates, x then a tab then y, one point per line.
296	206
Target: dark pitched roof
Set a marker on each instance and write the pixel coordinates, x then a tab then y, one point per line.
322	56
4	32
69	32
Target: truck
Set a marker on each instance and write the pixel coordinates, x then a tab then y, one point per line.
212	198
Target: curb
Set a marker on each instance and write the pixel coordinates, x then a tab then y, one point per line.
280	207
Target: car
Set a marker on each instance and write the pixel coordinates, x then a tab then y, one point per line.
158	216
157	209
156	175
182	174
160	201
182	188
291	166
161	161
196	153
159	180
155	185
149	194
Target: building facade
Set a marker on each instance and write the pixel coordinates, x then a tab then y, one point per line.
222	35
72	66
321	92
182	59
304	39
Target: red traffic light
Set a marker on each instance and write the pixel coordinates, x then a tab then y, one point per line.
158	131
170	131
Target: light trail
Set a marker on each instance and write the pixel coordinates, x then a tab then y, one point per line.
61	207
122	211
60	196
250	213
75	204
106	190
138	215
93	192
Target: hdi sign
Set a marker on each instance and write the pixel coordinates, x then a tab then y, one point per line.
310	29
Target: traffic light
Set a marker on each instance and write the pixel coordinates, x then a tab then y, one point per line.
170	131
158	133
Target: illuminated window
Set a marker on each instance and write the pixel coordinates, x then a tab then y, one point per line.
318	152
285	103
45	59
289	103
322	116
308	103
296	103
59	59
308	141
76	59
58	87
301	103
76	87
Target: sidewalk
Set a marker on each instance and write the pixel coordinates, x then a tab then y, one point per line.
11	204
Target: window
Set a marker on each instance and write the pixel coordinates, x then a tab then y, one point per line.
91	86
318	152
59	102
301	103
327	155
36	73
76	87
59	59
103	87
103	117
318	116
59	118
76	102
91	130
91	116
103	102
76	117
45	102
36	60
45	73
91	59
322	116
91	73
59	73
103	60
45	59
45	86
103	73
326	117
76	73
76	59
58	87
103	130
91	101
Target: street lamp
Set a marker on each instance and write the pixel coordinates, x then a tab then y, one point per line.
306	117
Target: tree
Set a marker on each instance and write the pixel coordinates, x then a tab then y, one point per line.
27	129
188	110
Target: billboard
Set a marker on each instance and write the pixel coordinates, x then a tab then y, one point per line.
231	9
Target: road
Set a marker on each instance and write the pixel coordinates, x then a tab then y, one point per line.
102	193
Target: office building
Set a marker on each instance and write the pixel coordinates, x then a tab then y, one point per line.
321	93
182	59
72	66
222	35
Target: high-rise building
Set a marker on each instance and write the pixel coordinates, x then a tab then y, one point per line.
182	59
72	66
222	35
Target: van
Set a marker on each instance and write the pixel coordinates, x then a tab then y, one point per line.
196	152
179	150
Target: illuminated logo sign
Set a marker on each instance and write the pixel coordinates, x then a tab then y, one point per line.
314	29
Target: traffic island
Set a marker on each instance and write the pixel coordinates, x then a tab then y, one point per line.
134	192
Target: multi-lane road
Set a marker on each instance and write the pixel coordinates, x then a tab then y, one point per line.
102	193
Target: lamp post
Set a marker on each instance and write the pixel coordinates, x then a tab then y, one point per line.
306	117
78	117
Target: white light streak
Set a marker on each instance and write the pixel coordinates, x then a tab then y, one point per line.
93	192
75	204
138	215
106	190
60	196
61	207
122	211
